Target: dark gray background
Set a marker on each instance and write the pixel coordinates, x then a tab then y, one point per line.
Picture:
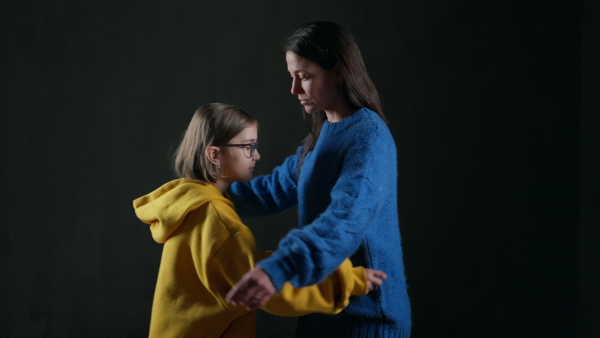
493	104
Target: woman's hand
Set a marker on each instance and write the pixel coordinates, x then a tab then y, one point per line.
254	290
374	278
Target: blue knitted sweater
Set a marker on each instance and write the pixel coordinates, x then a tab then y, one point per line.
346	193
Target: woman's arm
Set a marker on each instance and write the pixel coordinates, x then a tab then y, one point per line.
305	256
238	254
268	194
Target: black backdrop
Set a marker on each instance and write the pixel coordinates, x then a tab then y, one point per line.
493	106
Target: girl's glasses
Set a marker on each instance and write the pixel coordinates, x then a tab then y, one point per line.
249	148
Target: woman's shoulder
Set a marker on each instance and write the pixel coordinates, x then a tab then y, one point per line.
368	127
372	119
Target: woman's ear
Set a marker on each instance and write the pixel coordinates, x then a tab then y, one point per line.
213	154
338	76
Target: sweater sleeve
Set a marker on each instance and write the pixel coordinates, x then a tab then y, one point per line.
267	194
238	254
305	256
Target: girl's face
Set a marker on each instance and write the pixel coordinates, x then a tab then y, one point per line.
237	164
317	88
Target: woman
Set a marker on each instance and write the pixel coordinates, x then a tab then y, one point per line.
343	179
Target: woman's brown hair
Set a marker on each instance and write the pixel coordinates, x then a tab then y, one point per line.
330	45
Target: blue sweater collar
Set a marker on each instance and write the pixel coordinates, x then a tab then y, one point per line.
334	128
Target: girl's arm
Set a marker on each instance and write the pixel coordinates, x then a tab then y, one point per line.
330	296
238	254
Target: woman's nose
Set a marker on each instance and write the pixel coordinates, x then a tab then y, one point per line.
296	87
256	156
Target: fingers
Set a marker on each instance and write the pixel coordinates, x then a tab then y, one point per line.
258	300
375	278
380	274
254	298
377	282
234	296
254	290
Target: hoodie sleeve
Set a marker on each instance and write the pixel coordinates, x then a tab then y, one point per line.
330	296
238	254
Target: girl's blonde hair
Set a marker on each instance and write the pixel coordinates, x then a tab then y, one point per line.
213	124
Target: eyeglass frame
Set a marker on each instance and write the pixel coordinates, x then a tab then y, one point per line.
253	147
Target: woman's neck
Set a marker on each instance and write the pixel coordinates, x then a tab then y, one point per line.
341	112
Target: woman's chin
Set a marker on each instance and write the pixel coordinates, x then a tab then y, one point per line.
308	110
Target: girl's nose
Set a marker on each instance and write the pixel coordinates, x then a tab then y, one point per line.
256	155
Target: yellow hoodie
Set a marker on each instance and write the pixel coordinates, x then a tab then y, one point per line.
206	251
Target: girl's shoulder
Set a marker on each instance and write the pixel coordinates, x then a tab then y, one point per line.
224	210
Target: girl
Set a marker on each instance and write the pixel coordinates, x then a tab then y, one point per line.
343	179
207	248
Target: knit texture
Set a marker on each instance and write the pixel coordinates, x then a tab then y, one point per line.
346	194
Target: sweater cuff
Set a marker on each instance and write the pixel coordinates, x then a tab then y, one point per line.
277	270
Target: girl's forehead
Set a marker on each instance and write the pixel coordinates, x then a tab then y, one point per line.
248	134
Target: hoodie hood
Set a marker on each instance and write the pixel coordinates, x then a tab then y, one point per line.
166	207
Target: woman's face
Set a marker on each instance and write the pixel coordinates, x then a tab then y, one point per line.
238	162
317	88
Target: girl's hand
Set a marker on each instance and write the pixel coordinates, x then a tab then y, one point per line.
374	278
254	290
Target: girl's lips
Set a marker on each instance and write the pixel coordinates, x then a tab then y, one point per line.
303	102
